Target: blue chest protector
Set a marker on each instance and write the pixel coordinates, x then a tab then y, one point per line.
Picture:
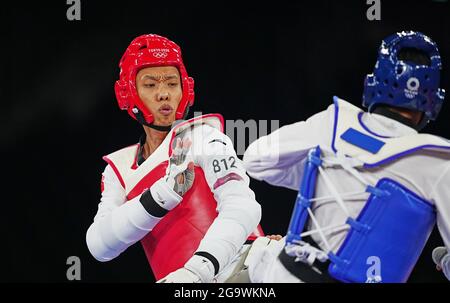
395	223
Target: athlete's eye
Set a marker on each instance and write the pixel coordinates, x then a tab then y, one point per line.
149	85
173	84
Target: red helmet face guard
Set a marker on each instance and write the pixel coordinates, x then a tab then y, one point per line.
150	51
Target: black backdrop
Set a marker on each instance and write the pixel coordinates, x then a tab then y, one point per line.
273	61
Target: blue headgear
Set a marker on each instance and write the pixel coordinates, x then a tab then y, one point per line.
405	84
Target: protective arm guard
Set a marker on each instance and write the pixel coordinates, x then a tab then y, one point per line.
238	211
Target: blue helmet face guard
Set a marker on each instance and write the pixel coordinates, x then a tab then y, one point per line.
402	83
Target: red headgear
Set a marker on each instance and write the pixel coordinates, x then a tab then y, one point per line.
147	51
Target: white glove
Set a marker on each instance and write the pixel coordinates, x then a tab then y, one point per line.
441	258
197	269
168	190
180	171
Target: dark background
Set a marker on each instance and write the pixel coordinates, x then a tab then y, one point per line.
275	61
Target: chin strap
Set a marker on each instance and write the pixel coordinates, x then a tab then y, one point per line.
160	128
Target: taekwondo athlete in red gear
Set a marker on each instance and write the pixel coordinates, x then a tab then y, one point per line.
371	186
181	191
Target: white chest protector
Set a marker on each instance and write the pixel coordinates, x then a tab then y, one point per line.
394	224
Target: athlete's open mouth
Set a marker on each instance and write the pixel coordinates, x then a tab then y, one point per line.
166	109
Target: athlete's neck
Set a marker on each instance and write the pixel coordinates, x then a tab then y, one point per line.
153	140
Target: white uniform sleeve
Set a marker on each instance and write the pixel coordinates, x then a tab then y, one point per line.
238	212
117	225
441	193
277	158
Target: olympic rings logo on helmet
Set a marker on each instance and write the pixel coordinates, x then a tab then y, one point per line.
160	53
412	87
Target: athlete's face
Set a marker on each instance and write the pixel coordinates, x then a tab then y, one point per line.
160	89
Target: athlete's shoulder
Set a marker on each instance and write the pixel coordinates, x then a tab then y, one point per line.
204	127
212	120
